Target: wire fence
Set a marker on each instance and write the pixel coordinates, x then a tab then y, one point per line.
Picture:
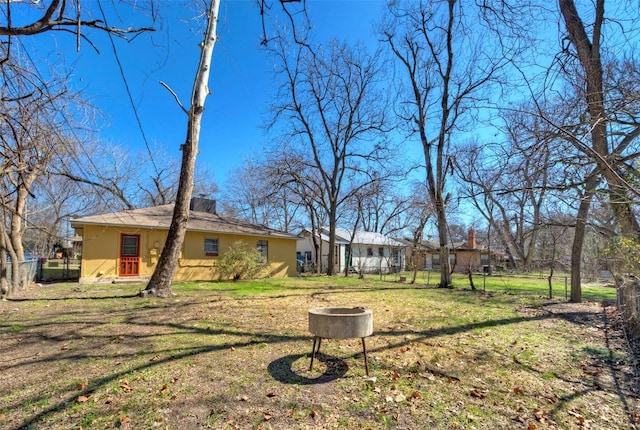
628	301
30	267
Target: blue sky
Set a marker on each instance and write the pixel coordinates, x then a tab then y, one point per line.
241	78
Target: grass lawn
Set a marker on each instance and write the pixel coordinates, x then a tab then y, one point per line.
236	356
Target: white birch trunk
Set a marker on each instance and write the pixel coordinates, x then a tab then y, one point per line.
160	282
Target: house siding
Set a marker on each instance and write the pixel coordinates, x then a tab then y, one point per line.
101	251
359	258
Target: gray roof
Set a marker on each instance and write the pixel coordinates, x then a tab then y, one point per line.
159	217
324	236
368	238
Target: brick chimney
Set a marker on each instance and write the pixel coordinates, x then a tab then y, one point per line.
471	239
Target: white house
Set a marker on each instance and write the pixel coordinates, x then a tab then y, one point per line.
370	252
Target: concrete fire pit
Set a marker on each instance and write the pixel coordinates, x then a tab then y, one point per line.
340	323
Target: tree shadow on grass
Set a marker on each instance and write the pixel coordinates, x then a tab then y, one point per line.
282	369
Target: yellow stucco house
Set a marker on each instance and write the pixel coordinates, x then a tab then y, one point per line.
126	245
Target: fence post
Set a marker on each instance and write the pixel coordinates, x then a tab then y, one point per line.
566	290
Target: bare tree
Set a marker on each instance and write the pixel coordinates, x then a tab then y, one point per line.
334	115
58	15
510	183
120	179
33	131
258	193
446	64
383	206
160	282
553	238
587	42
419	214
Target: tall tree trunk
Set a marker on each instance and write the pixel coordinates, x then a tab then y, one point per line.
332	240
5	286
160	282
18	272
578	238
589	55
446	281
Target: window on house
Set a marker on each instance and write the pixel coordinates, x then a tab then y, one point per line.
263	248
369	252
130	246
211	246
435	259
452	259
484	259
307	256
381	252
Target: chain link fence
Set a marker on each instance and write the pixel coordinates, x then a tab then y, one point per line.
30	267
628	302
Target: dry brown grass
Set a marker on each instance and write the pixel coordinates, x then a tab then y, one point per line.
236	356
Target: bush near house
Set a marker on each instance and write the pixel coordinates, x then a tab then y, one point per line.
240	261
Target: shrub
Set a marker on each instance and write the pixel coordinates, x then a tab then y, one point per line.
240	261
623	255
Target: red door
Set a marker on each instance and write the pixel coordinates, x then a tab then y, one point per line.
129	255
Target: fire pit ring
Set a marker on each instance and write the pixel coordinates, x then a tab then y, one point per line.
340	323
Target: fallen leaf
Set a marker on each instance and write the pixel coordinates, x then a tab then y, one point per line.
64	347
313	413
540	415
243	398
164	389
399	398
124	419
82	399
477	393
271	394
416	395
2	417
174	379
579	418
155	358
124	384
518	390
267	416
532	426
81	386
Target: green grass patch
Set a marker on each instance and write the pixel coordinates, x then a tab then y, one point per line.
236	355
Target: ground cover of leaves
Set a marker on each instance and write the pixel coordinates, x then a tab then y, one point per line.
92	357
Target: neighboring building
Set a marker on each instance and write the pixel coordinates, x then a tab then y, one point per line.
370	252
463	256
127	244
